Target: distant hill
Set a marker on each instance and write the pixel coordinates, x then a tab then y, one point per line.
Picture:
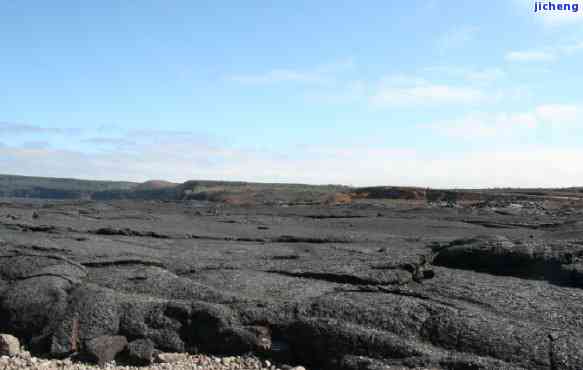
241	193
56	188
233	192
258	193
155	185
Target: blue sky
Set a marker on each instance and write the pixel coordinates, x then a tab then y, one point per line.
426	92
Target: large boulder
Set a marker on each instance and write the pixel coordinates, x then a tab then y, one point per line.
37	299
31	305
92	312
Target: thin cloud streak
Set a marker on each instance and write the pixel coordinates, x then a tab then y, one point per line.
431	94
20	128
530	56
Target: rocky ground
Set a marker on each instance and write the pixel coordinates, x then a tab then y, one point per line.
13	356
359	286
181	362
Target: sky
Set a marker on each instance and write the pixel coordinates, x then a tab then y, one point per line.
428	93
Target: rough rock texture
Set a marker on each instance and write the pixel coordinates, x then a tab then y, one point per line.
141	351
556	262
362	286
104	349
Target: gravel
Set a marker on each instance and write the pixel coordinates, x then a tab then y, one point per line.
183	362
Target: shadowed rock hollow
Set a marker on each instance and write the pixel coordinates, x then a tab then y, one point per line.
358	286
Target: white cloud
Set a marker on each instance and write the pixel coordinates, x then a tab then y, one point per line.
530	56
479	125
549	54
559	113
326	84
427	94
441	86
505	125
472	75
406	91
485	75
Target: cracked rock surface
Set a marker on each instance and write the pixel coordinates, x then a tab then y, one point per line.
361	286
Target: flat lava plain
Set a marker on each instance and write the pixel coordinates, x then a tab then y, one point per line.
365	285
